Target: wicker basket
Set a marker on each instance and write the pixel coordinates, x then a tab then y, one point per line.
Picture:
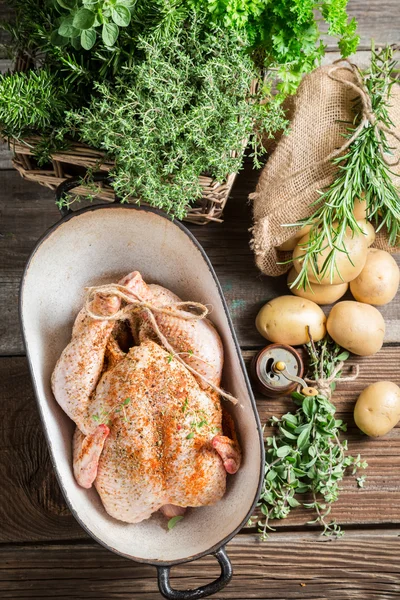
79	158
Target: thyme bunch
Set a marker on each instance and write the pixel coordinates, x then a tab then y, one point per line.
181	111
306	460
364	171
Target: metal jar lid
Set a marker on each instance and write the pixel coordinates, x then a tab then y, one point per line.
269	380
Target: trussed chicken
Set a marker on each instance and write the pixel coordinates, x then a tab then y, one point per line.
149	435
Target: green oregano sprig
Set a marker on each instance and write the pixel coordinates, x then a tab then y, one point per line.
82	20
306	459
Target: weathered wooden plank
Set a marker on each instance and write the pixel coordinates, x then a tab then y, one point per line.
28	210
360	567
376	19
32	508
31	504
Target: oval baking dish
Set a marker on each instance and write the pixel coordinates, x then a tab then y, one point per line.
97	245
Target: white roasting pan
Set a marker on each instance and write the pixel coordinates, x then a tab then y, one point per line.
98	245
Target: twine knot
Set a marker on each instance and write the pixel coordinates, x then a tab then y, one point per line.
187	311
368	116
324	385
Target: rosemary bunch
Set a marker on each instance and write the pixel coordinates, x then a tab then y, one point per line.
364	171
306	460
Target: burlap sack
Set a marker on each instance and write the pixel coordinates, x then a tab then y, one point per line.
299	167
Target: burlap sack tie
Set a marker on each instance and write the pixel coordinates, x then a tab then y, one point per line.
295	174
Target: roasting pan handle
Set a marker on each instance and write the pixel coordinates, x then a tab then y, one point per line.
72	182
201	592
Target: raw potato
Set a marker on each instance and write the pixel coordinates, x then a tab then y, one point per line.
284	320
358	327
291	243
378	282
369	231
360	209
356	246
320	294
377	409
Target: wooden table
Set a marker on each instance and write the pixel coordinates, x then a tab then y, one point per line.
43	551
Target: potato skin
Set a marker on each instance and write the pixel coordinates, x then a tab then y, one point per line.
377	409
290	244
358	327
284	320
320	294
379	280
356	245
360	208
369	230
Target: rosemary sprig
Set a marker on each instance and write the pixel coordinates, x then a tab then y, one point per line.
306	458
363	172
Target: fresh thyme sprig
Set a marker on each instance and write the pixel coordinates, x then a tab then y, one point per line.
306	456
364	171
199	422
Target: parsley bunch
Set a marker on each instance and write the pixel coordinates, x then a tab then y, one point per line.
285	34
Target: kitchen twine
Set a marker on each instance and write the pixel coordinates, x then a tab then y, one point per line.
367	114
134	303
324	384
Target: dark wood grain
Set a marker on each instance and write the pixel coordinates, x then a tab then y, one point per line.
32	508
288	567
43	551
31	503
28	210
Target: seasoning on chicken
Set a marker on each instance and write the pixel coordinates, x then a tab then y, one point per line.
149	433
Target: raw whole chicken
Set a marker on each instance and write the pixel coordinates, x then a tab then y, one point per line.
149	434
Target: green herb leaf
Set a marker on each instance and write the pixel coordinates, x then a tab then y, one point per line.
67	28
293	502
109	33
173	521
68	4
190	436
83	19
271	475
88	38
126	401
283	451
76	43
287	434
121	15
58	40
